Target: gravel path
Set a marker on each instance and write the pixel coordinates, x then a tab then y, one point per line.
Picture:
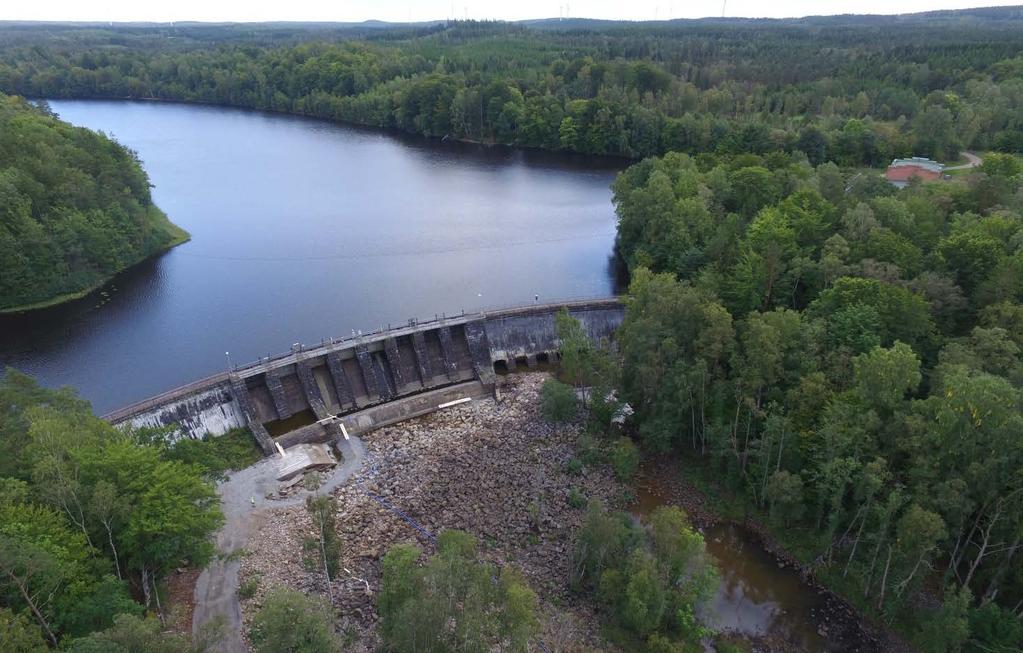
972	162
216	590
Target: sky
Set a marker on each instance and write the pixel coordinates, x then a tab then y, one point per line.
419	10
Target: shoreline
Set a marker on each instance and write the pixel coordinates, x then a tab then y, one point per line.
390	131
179	237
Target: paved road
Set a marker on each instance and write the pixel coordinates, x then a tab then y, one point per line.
216	590
972	162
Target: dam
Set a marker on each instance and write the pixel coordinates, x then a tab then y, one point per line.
355	384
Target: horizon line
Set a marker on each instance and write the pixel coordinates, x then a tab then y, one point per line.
297	21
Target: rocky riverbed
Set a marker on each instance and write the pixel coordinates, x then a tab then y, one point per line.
494	469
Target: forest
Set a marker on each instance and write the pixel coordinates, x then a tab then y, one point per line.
848	357
75	208
93	519
854	91
844	356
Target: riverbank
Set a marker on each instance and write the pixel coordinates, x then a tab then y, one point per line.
685	483
178	236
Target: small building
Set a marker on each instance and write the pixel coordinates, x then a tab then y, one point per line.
901	171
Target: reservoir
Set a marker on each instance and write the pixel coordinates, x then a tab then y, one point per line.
304	230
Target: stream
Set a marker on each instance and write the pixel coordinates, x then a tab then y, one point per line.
760	597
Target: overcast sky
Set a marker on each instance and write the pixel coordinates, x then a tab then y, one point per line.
403	10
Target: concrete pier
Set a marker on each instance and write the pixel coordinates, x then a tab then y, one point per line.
241	395
422	359
369	375
343	388
280	399
394	362
447	351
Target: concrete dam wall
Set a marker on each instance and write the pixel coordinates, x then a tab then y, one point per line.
368	381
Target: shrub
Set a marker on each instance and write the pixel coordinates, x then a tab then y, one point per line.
649	579
247	589
574	466
217	455
603	406
785	494
558	402
576	499
322	550
312	481
624	458
993	628
660	644
291	622
453	602
589	451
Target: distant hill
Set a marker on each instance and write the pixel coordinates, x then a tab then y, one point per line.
299	30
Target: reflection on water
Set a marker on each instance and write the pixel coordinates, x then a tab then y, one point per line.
758	596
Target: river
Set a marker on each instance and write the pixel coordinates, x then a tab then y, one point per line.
304	229
760	597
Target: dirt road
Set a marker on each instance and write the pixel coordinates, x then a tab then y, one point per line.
972	162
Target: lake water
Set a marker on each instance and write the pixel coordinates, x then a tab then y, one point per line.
304	229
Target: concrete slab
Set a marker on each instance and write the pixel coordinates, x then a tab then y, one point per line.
302	458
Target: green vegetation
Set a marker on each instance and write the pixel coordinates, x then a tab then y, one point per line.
846	356
323	548
624	459
291	622
454	602
248	587
131	634
75	208
649	578
90	516
217	456
857	91
557	401
576	498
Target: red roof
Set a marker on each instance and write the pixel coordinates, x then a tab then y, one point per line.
905	173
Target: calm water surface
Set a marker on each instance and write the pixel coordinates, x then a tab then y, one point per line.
302	230
757	597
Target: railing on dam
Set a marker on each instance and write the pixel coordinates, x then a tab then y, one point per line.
413	324
300	352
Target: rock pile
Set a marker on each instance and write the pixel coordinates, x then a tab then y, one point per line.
496	470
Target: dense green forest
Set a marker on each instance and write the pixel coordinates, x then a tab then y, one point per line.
92	519
75	208
848	357
856	91
844	356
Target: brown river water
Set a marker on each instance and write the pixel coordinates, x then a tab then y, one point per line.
760	596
